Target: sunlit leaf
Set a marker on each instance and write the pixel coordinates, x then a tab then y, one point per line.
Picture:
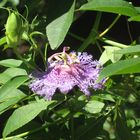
135	18
129	50
104	58
57	29
94	106
121	67
3	40
104	96
13	98
10	63
10	73
113	6
6	89
23	115
109	54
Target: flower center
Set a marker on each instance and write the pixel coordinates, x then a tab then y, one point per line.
64	57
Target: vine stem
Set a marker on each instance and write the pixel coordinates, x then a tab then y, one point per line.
3	3
36	47
72	128
92	35
76	36
45	52
113	43
110	26
105	40
20	57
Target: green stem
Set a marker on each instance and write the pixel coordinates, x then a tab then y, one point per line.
3	3
76	37
45	52
113	43
33	55
43	58
28	97
36	47
105	40
110	26
72	128
24	61
36	33
98	45
92	35
98	121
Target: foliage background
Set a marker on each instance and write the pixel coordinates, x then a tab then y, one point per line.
107	29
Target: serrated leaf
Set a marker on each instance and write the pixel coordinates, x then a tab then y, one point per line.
10	73
57	29
112	6
121	67
10	63
94	106
129	50
23	115
6	89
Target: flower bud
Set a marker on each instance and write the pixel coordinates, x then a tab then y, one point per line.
13	29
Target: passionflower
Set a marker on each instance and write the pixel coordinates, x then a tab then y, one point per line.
64	72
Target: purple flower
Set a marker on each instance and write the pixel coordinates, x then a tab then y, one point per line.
64	72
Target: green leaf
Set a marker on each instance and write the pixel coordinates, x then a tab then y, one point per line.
129	50
112	6
3	40
13	98
104	96
138	9
10	63
94	106
6	89
57	29
23	115
110	51
103	58
135	18
10	73
109	54
121	67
